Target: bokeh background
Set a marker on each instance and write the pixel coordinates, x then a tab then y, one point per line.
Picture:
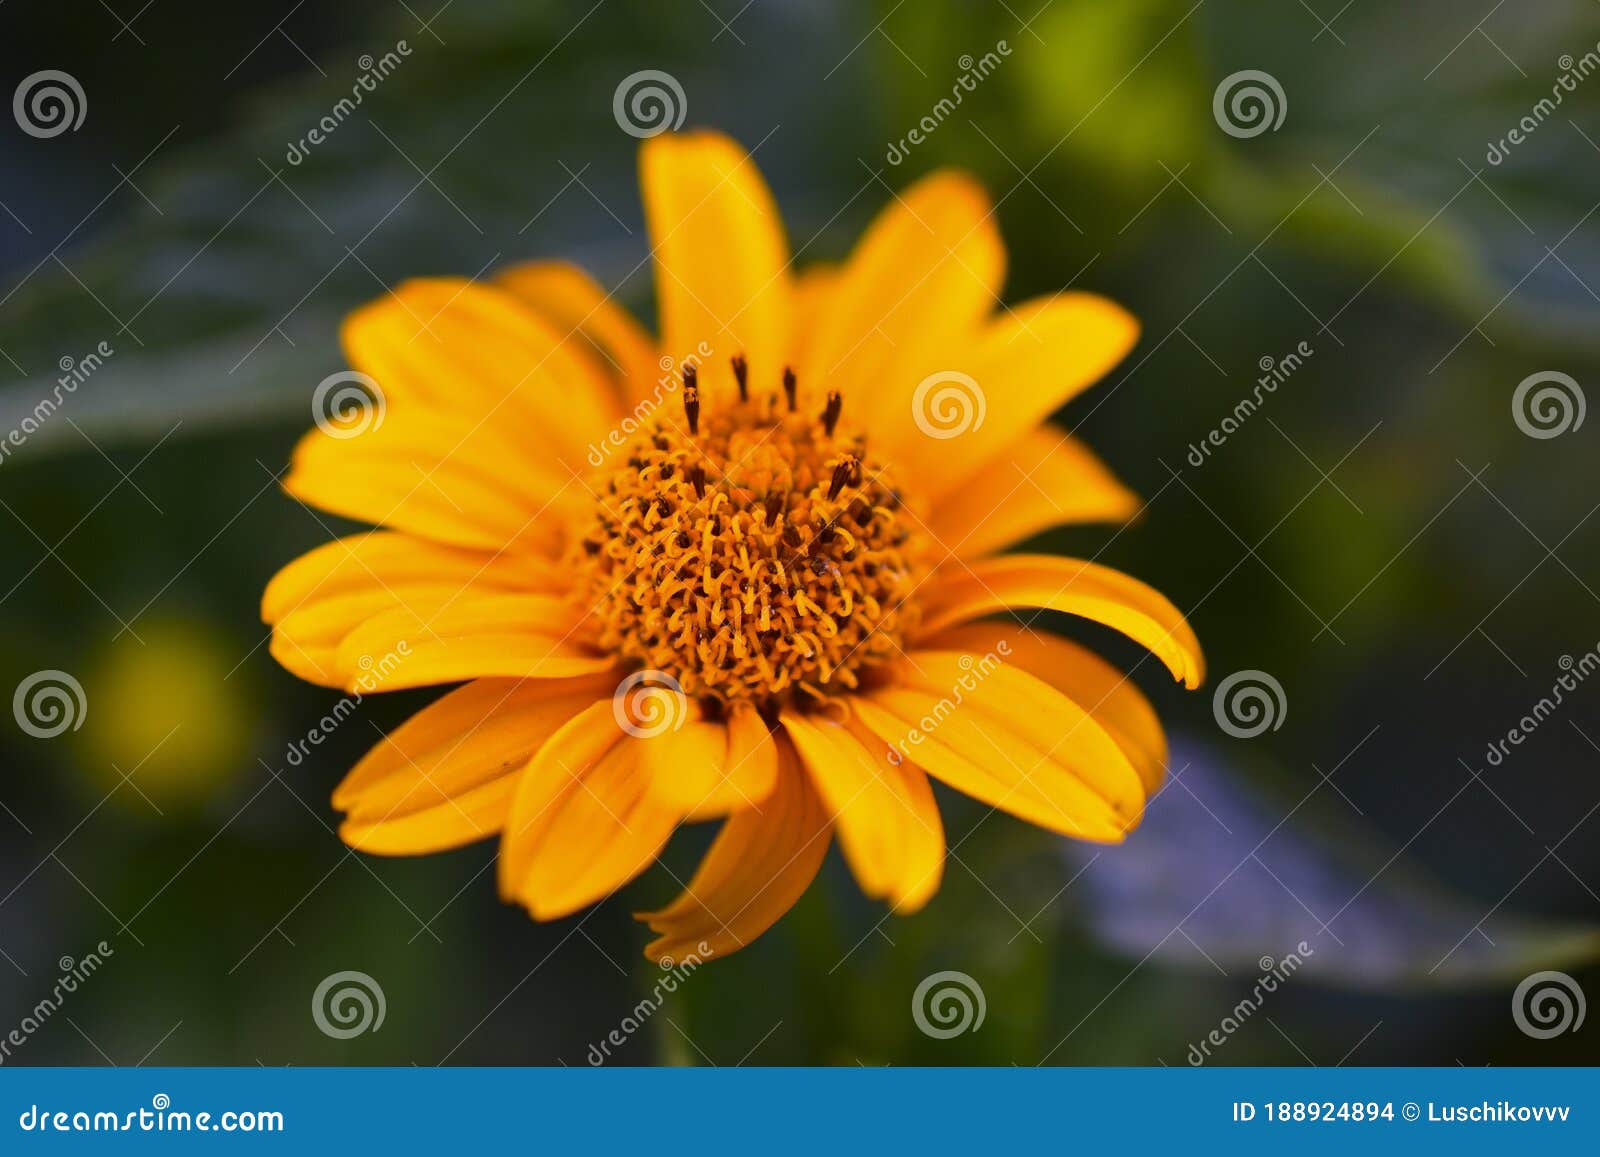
1382	537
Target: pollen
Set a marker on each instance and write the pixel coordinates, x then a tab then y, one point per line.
752	551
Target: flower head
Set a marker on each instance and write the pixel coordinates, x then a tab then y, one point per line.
738	572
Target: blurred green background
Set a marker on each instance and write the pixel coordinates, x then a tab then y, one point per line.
1382	537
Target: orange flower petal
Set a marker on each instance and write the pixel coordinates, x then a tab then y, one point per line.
916	288
476	353
1004	737
323	595
814	288
722	277
526	636
1026	364
445	777
1047	479
1072	585
712	768
571	301
439	479
885	815
761	862
1108	695
584	821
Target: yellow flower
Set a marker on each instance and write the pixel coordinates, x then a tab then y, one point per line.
731	573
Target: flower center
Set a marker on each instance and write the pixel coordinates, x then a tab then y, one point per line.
751	552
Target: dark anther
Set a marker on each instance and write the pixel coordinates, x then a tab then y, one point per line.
827	534
789	386
841	475
697	479
830	414
691	398
791	537
774	506
591	547
846	473
741	372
